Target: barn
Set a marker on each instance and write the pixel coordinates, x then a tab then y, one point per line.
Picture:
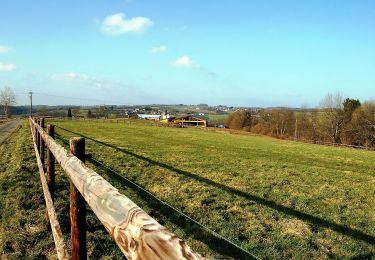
191	120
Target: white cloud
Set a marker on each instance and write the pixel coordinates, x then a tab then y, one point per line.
5	49
118	24
159	49
185	62
70	76
73	76
7	67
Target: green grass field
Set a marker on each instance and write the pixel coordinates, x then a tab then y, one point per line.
276	199
23	230
217	118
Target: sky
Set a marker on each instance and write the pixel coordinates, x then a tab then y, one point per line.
237	53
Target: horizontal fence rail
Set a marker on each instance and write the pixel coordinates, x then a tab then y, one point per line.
138	235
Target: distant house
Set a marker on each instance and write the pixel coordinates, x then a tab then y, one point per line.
149	116
165	115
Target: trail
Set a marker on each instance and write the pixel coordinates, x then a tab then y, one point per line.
8	128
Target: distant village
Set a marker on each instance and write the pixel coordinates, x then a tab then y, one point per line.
179	114
201	115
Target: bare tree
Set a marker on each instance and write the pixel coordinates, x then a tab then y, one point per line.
239	120
76	112
282	121
7	99
332	117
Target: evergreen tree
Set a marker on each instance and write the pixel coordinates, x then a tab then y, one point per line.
69	113
349	106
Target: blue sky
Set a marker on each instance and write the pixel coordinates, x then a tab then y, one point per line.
242	53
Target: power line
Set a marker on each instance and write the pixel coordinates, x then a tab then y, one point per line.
77	98
31	103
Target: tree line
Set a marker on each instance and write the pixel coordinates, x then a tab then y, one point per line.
337	120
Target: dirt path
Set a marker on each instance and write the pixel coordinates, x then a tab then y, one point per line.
7	129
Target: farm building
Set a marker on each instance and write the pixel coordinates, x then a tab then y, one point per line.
149	116
191	120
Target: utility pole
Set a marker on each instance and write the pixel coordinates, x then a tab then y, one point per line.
31	103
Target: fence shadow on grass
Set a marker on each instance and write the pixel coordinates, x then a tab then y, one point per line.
347	231
164	212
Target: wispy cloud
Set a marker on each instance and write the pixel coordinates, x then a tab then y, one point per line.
294	94
86	80
118	24
5	49
159	49
7	67
185	62
70	76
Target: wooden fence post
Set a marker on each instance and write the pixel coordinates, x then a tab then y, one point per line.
77	206
51	164
37	136
34	131
33	128
41	142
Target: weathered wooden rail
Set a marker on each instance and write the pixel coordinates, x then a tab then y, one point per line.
138	235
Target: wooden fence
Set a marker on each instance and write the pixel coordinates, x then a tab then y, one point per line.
138	235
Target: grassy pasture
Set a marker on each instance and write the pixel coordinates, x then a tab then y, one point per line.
23	229
217	118
277	199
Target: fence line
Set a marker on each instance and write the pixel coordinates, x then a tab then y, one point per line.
242	132
164	203
359	147
62	252
138	235
177	210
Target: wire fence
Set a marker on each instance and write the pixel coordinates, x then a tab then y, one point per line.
99	244
136	233
241	253
175	209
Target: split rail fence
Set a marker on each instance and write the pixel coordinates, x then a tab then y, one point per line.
138	235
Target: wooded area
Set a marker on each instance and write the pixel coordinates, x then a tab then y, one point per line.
337	120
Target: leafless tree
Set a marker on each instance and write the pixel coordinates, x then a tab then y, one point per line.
282	121
240	119
332	116
7	99
76	112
